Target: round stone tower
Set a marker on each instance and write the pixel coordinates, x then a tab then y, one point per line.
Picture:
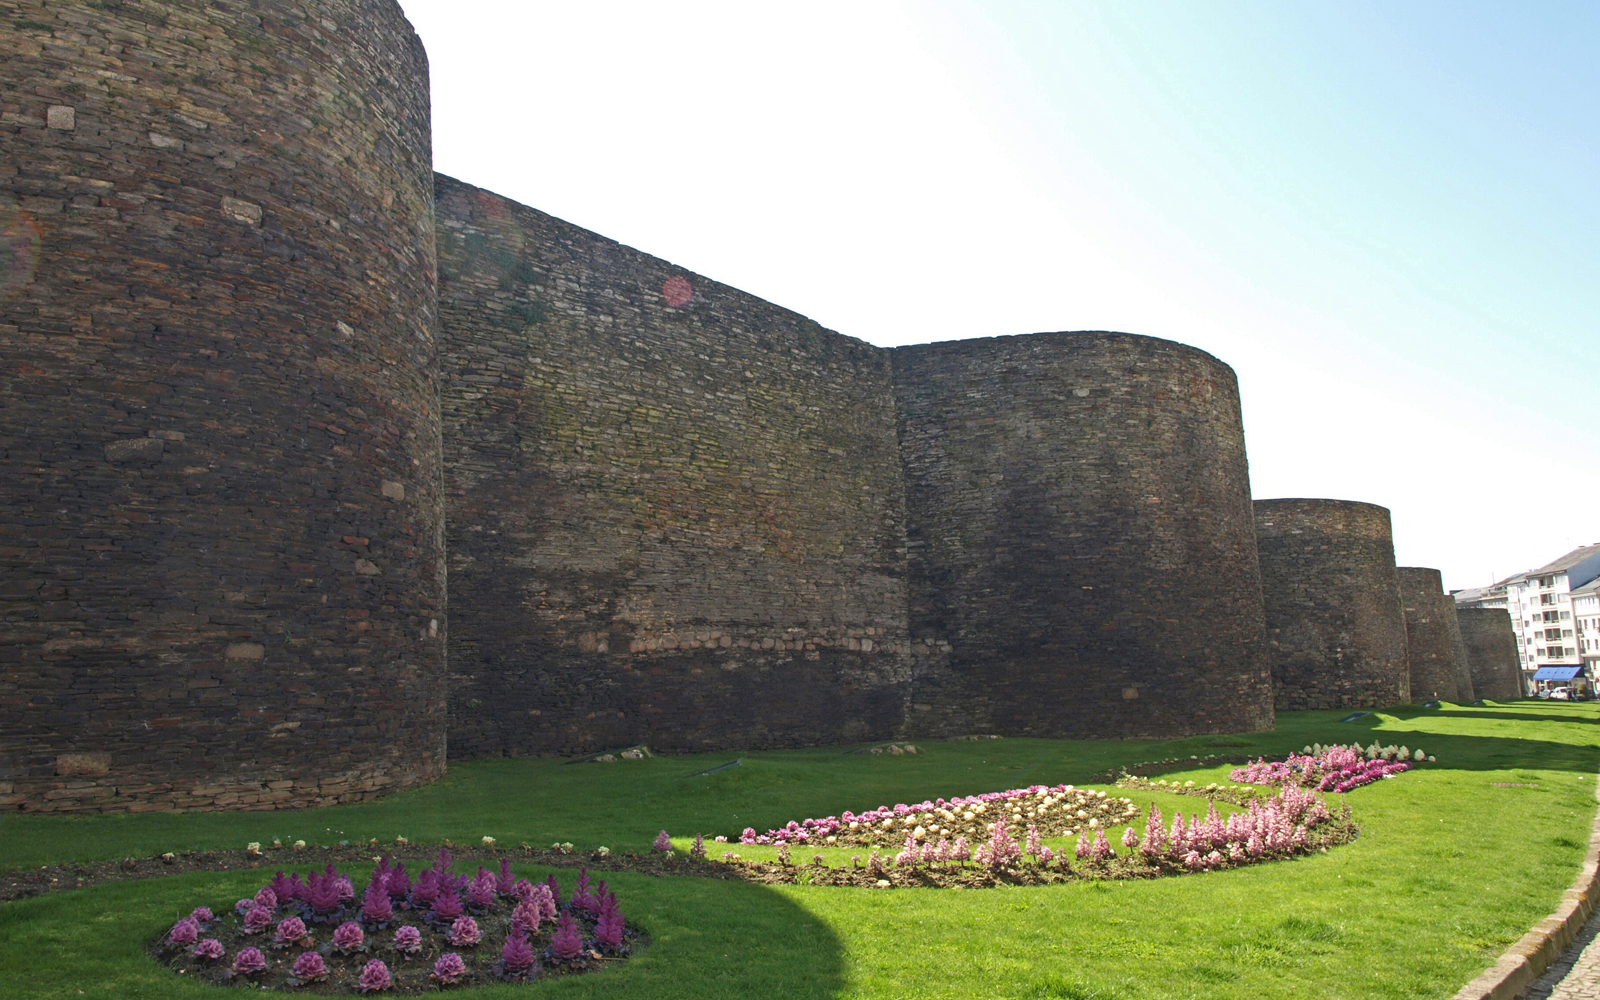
1491	652
221	582
1336	633
1082	555
1430	645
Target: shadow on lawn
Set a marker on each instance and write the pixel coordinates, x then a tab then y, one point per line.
709	938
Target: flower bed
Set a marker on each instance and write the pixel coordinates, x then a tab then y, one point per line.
1333	768
401	935
1055	811
1239	795
1293	821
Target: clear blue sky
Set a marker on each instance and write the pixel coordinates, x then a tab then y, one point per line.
1386	217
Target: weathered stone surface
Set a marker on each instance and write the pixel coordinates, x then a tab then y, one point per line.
1430	651
679	525
1458	649
1336	632
1081	547
184	438
1491	652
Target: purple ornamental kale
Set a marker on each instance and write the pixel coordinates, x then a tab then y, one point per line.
443	861
266	897
545	901
324	893
257	919
185	931
249	962
309	966
525	917
290	930
374	977
375	906
517	955
347	888
282	888
425	889
348	936
244	906
408	940
663	843
449	968
447	906
698	851
555	889
398	883
522	889
481	892
505	882
566	943
608	930
464	933
203	915
208	950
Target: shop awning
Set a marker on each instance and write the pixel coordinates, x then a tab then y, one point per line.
1556	673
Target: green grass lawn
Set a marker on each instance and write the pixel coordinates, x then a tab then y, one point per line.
1449	870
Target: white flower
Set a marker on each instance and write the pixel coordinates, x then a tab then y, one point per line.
299	845
488	842
604	852
254	847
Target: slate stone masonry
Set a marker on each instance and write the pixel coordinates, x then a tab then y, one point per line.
1082	554
676	511
1491	645
1430	649
221	579
1335	628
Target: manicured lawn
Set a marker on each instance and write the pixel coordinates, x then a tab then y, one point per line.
1449	870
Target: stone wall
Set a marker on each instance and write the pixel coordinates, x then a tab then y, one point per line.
1431	649
220	515
1458	647
675	510
1082	553
1491	652
1335	629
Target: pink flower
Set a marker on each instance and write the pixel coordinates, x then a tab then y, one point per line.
249	962
308	966
1192	860
464	932
449	968
374	977
185	931
266	897
526	916
348	936
208	950
290	930
408	940
202	915
257	919
663	843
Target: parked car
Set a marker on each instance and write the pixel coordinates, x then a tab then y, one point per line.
1561	694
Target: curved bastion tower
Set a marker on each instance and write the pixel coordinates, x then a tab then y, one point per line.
1081	549
219	428
1336	631
1432	637
1491	652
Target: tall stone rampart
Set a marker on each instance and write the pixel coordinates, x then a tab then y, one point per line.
1491	652
675	510
1431	650
1336	632
221	573
1082	552
1458	647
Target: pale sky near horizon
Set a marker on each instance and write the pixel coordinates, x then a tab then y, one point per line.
1384	216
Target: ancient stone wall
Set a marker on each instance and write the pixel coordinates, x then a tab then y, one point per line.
1335	629
1082	553
1491	652
1458	649
220	511
675	510
1431	651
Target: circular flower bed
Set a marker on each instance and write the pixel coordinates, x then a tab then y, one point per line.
1333	768
402	935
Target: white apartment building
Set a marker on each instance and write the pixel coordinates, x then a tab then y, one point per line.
1541	605
1586	616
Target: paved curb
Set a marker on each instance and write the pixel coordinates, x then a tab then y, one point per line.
1521	965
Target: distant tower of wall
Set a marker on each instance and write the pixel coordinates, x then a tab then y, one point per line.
1429	642
1082	555
676	511
1492	652
1335	629
219	428
1458	647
